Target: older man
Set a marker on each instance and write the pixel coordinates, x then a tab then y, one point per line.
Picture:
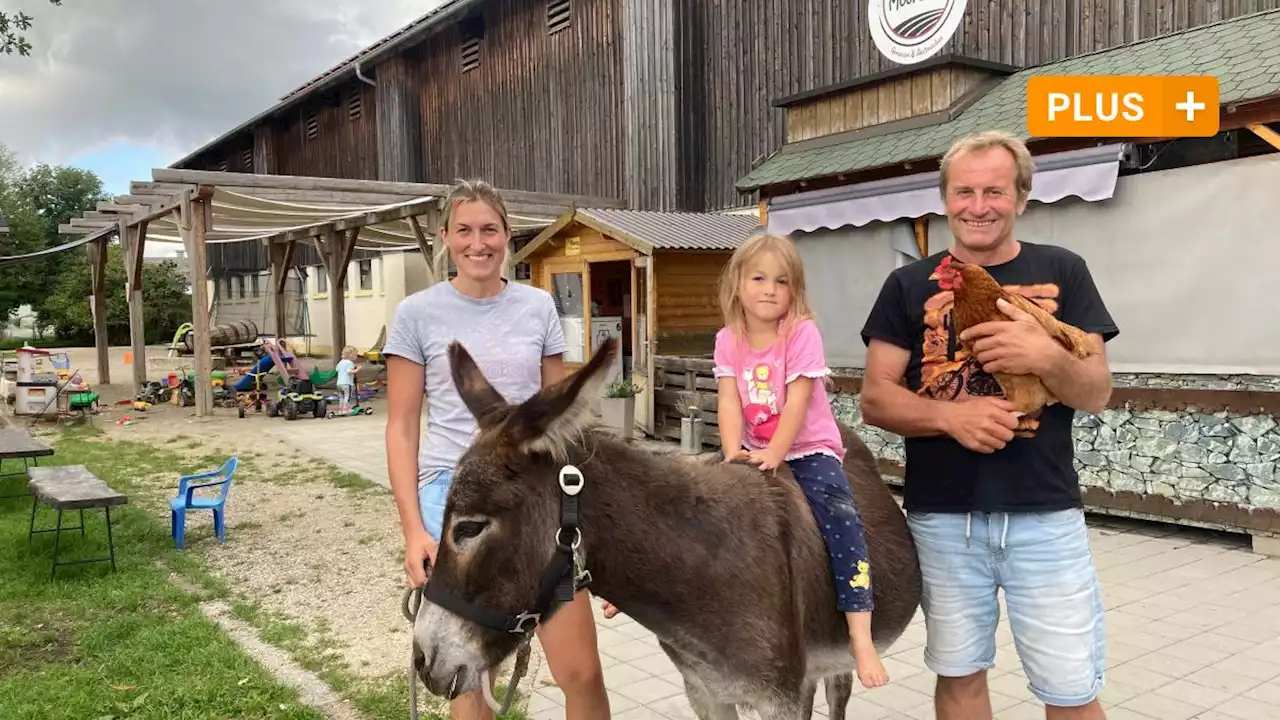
989	511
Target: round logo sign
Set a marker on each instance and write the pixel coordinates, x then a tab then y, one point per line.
909	31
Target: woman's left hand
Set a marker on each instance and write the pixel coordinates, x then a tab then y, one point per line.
769	458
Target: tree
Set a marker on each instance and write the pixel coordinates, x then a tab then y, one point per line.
164	286
13	27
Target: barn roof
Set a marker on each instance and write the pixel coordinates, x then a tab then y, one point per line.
1243	53
649	230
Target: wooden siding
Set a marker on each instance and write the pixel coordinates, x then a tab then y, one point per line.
739	56
550	111
686	291
542	111
928	92
322	139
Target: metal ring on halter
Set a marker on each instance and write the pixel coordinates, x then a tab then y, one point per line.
577	538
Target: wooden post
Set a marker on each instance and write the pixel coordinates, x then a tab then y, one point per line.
922	235
194	217
337	249
281	258
134	241
399	121
98	300
427	240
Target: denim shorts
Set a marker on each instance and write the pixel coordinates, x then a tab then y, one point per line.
1043	562
431	499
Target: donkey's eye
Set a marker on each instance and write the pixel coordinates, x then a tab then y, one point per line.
468	529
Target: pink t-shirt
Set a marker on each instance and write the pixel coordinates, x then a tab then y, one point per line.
763	392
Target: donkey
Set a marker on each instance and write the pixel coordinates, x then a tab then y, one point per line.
722	562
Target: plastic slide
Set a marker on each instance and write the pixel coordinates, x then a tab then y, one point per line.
264	364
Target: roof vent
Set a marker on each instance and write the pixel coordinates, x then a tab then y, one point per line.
559	15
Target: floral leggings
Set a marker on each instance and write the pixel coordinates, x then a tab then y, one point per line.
826	487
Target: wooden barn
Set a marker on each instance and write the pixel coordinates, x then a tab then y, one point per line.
649	278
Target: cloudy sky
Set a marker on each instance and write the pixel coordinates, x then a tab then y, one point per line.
122	86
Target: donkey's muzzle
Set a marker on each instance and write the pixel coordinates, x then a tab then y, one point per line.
441	679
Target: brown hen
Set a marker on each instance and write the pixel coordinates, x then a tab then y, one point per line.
974	295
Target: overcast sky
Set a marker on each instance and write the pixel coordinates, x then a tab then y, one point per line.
121	86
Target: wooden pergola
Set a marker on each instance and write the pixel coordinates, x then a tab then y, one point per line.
196	208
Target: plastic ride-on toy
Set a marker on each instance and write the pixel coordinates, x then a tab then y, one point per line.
299	398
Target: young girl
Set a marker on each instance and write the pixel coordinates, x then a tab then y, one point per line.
773	408
346	369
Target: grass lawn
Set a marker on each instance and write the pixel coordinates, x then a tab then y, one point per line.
93	644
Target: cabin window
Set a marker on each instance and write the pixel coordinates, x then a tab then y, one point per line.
472	33
559	15
313	126
366	274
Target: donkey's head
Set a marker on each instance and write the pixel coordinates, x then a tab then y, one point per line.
501	522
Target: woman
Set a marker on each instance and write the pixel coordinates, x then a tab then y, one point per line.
513	332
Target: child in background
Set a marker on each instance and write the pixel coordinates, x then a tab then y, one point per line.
773	408
347	378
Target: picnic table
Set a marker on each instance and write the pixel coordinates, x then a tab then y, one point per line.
71	487
19	445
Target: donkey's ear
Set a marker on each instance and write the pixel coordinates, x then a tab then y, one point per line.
550	420
479	396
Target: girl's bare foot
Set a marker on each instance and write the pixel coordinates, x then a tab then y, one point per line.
871	672
609	610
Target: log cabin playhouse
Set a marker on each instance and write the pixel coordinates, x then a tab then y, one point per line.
789	109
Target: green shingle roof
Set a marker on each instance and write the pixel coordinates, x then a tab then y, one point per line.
1244	54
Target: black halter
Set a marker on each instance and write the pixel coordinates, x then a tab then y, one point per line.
560	579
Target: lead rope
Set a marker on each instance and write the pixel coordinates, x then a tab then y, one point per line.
409	605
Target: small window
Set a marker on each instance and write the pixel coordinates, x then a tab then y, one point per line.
472	33
322	281
559	15
240	285
253	285
313	126
366	274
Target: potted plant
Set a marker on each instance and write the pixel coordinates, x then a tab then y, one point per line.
618	407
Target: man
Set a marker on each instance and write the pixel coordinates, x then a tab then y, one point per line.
989	511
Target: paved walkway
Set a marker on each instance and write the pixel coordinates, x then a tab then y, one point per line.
1193	626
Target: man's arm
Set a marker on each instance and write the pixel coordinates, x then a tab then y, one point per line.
887	404
1084	384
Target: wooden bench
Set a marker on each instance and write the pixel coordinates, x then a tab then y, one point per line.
19	445
71	487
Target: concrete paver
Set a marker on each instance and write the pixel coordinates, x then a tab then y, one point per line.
1193	621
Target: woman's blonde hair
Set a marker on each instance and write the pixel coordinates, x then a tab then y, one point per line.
468	191
735	272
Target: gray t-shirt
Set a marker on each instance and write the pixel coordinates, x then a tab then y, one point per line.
507	335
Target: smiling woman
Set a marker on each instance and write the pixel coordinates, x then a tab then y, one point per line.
513	331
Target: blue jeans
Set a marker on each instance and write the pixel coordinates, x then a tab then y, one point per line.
1043	563
826	487
431	500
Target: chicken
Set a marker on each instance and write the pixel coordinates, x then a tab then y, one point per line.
974	295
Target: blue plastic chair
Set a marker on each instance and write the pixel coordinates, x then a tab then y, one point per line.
186	500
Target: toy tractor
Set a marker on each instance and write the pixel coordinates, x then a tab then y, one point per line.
299	398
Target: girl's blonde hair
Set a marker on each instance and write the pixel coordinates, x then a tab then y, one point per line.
735	272
469	191
350	353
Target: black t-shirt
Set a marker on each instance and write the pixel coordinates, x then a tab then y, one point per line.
1028	474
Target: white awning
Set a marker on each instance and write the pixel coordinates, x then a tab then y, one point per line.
1089	174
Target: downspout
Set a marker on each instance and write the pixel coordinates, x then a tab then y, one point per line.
361	76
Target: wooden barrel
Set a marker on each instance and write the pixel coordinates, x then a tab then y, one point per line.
236	333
